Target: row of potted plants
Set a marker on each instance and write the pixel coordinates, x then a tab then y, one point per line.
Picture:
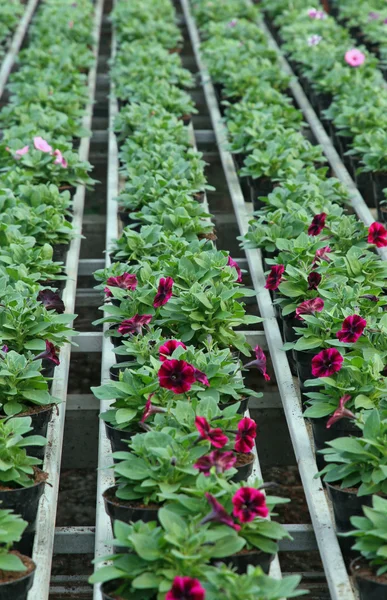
10	15
182	448
341	78
41	127
326	279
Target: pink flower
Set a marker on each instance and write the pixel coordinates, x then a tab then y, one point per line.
21	152
60	160
259	362
351	329
314	40
317	224
134	325
373	16
309	307
245	438
314	280
275	277
176	375
5	349
232	263
377	234
42	145
201	378
222	461
322	254
216	436
218	514
164	292
186	588
168	348
51	301
248	504
232	23
354	57
126	281
49	353
326	363
316	14
71	24
341	412
151	409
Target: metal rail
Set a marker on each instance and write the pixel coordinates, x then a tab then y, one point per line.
44	537
16	43
337	578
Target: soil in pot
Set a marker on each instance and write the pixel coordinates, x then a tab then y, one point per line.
245	557
244	466
370	585
346	504
15	585
127	511
118	438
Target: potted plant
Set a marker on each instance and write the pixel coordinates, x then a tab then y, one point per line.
16	570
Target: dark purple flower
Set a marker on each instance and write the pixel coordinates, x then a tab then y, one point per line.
326	363
164	291
314	280
351	329
168	348
377	234
51	301
134	325
341	412
370	297
373	16
322	254
259	362
219	513
5	349
317	224
275	277
222	461
49	353
309	307
176	375
201	377
248	504
126	281
245	438
186	588
232	263
216	436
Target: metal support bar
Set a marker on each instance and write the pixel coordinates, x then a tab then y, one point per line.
44	538
87	266
338	580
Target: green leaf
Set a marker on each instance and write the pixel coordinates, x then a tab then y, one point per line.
146	581
11	562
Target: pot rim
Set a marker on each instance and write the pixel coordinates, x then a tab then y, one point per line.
27	576
20	489
352	567
114	487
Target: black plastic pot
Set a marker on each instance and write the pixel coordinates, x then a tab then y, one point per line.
244	471
60	252
304	364
365	187
118	438
114	373
124	512
116	341
124	217
39	424
368	588
254	557
267	255
48	368
17	589
262	186
346	504
379	183
342	428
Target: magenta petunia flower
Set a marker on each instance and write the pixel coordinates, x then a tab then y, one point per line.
354	57
248	504
42	145
275	277
201	377
316	14
322	254
232	263
377	234
134	325
5	349
216	436
126	281
164	291
168	348
314	40
341	412
186	588
245	438
373	16
309	307
222	461
51	301
351	329
21	152
314	280
218	514
259	362
326	363
49	353
317	224
176	375
232	23
151	409
60	159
